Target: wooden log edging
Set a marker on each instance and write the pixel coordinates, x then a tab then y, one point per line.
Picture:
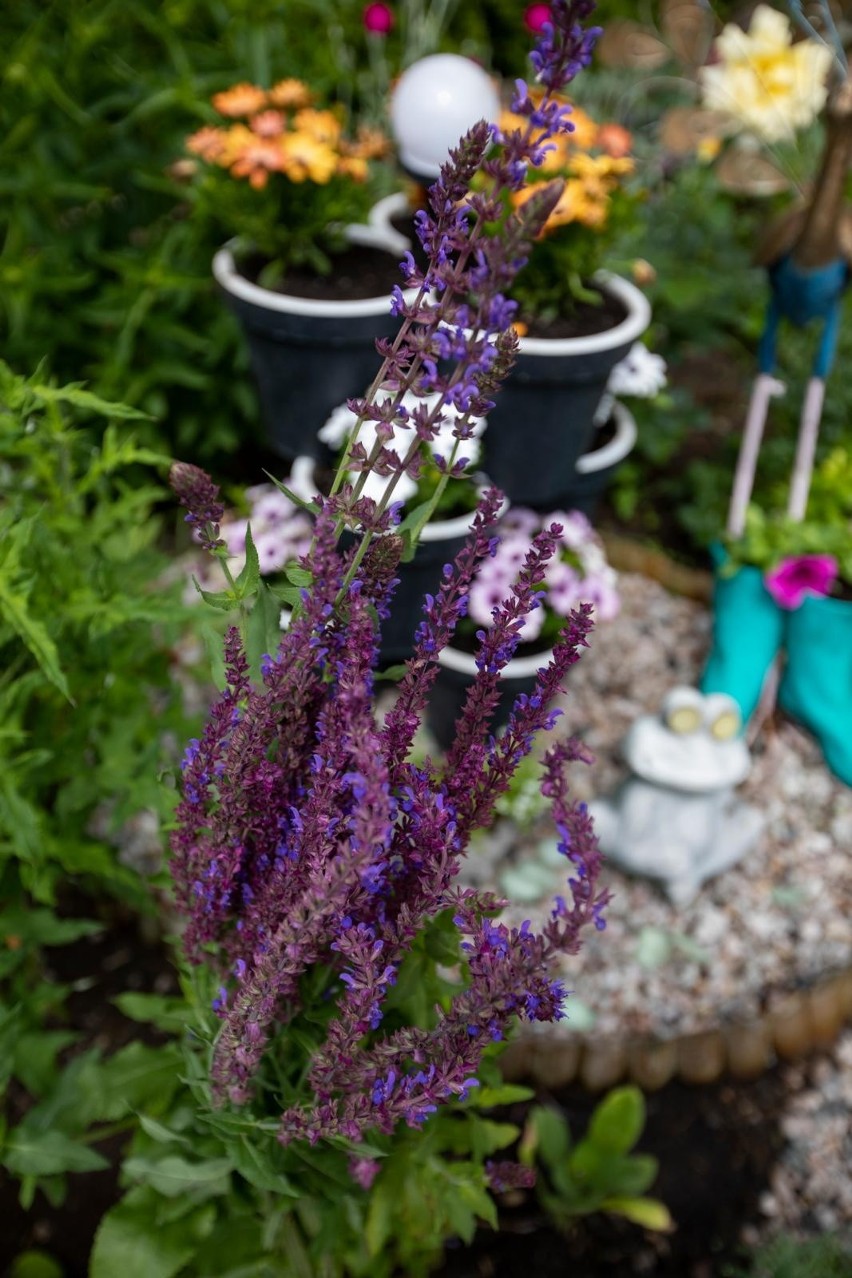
794	1024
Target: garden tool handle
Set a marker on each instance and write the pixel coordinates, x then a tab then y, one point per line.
765	388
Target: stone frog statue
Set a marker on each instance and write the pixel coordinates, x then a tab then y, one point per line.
678	819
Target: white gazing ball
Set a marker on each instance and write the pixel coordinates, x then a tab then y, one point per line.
435	101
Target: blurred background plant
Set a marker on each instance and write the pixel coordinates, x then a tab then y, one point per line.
771	536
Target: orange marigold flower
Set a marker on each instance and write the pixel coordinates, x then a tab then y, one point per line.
306	158
242	99
290	93
369	144
585	131
269	124
209	143
257	159
354	167
324	126
615	140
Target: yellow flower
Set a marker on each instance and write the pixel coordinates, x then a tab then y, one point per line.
585	131
290	93
708	148
306	158
242	99
578	203
370	144
354	167
770	85
323	126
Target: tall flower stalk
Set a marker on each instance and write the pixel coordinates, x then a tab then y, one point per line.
311	854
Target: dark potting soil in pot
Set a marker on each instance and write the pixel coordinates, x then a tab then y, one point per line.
586	319
357	273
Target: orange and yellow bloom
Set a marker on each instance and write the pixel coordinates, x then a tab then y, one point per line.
593	160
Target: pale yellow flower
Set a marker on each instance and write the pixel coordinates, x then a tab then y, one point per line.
770	85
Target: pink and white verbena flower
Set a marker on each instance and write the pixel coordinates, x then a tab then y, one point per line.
578	573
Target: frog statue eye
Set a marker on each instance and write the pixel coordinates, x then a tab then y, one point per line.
722	716
683	711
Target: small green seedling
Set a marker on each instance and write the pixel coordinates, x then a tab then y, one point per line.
599	1172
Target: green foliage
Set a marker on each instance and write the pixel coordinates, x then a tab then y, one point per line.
87	626
100	270
211	1192
783	1257
85	640
598	1172
709	302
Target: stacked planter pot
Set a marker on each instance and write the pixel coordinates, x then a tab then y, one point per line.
308	355
544	419
541	450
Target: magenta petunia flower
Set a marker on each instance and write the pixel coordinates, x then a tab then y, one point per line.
801	575
377	18
535	17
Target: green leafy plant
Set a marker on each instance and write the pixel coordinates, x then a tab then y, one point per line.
89	626
785	1257
598	1172
770	536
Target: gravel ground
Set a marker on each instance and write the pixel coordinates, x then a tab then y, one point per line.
811	1189
778	920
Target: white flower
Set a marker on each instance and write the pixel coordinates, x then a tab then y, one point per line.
341	423
770	85
640	373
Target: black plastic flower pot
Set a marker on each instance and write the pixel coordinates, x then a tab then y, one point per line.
543	420
307	355
457	673
596	467
439	544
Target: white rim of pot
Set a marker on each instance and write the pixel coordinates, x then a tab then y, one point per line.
384	210
518	668
228	277
618	447
632	326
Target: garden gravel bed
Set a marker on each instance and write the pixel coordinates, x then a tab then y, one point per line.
764	949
